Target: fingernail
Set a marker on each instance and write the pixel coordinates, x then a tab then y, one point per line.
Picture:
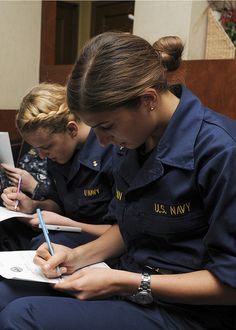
63	270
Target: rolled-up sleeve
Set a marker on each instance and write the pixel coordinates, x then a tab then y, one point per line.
217	182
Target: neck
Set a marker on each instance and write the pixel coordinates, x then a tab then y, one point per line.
167	105
83	133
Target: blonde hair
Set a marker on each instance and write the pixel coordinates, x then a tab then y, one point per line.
44	107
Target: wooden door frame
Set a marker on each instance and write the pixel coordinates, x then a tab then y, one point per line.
196	74
49	71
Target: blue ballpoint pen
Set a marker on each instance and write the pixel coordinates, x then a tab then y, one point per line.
46	236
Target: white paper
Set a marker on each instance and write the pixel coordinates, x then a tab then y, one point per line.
19	265
7	214
5	149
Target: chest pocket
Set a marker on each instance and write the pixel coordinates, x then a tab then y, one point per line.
167	221
98	193
172	219
87	204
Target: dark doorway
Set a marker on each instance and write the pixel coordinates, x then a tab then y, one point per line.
67	17
111	16
55	63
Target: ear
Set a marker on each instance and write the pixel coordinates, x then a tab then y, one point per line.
72	128
150	99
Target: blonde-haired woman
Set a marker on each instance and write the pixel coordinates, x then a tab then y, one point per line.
79	168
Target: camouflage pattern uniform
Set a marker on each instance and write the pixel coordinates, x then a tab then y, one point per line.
37	167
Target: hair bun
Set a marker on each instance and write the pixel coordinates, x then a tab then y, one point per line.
170	49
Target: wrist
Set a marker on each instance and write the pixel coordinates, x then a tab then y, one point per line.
143	295
34	205
32	186
126	283
78	256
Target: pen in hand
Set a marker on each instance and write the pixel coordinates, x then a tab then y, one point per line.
47	239
18	190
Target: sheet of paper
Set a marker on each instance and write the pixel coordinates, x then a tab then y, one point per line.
7	214
5	149
19	265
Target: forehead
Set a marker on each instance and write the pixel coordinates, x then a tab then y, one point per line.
96	118
38	137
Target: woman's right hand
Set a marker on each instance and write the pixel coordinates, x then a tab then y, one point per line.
28	182
64	258
10	196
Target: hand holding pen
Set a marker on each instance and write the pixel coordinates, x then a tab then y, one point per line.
47	239
18	191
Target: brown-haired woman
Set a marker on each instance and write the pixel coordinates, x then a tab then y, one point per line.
175	202
79	168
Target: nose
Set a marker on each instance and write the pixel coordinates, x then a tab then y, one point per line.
103	138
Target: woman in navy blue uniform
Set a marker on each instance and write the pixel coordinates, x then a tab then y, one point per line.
79	168
175	203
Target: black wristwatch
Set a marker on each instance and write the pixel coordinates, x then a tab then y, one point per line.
144	294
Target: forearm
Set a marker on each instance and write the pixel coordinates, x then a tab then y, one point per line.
47	204
200	288
196	288
108	245
30	186
55	219
96	230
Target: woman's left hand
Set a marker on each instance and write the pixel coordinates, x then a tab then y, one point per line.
28	182
91	282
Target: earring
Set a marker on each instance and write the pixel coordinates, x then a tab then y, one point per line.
152	108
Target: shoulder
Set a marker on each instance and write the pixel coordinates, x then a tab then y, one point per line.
93	147
217	130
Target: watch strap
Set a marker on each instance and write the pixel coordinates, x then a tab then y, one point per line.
145	284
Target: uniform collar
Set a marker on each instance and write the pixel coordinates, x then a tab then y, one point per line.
90	155
176	146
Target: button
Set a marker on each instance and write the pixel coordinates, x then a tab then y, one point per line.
95	163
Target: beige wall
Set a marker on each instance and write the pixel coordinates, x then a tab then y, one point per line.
20	23
197	30
187	19
84	23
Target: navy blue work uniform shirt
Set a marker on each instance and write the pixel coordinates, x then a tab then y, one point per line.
83	186
176	211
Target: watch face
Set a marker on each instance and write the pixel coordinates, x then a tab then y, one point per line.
143	298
